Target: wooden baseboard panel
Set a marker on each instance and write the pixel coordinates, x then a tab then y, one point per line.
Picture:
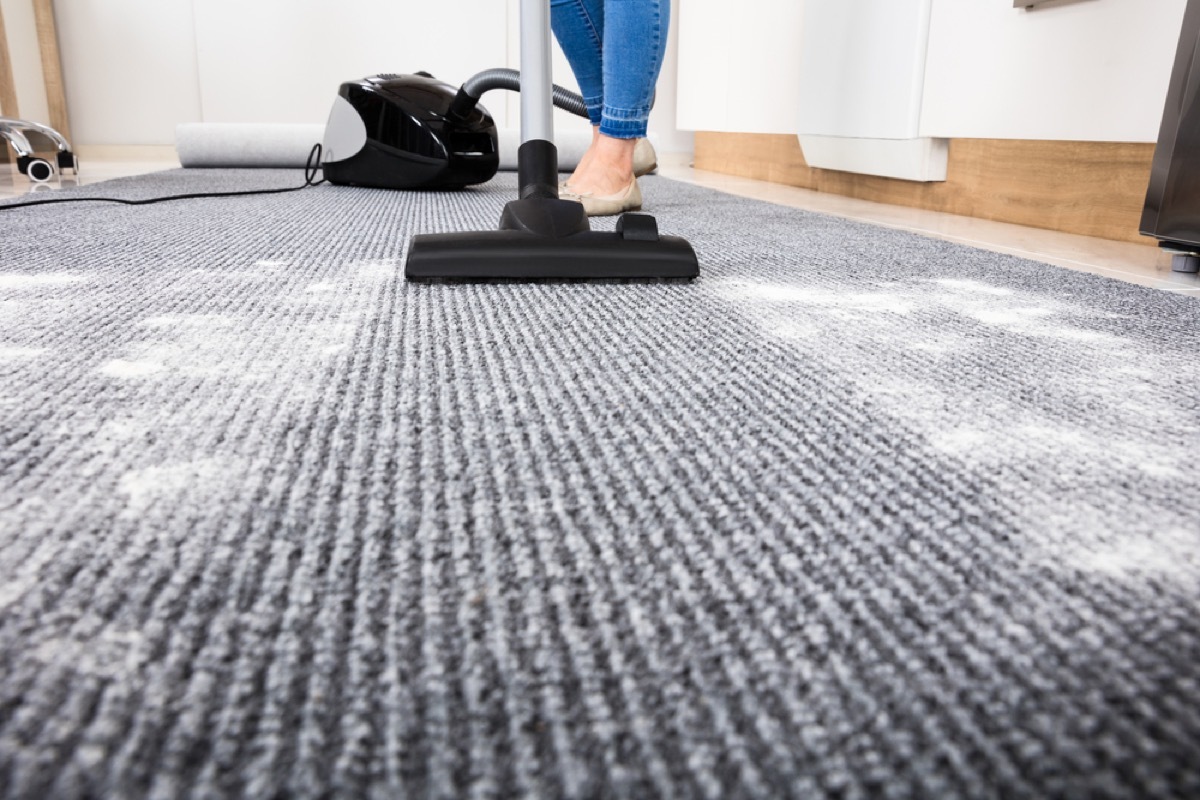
1090	188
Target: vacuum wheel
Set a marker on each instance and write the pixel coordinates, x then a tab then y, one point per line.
39	170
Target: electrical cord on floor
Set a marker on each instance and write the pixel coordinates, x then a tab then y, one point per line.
311	166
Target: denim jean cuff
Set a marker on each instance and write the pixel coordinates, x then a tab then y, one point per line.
595	109
624	123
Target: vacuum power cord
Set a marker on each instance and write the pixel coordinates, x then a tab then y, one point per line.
311	167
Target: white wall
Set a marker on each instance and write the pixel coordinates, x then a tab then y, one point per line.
284	59
21	27
1087	70
129	67
135	68
1069	69
739	65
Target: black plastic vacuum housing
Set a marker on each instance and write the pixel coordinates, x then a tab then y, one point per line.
396	132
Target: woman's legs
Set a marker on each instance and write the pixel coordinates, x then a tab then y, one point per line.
615	48
635	39
579	27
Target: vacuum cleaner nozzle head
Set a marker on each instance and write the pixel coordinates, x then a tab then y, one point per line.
397	132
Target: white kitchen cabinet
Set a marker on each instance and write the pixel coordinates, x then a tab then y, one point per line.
880	86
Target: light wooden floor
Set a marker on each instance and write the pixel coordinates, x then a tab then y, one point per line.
1140	264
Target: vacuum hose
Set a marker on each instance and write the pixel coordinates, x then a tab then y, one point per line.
499	78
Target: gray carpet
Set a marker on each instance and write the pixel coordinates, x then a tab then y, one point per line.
857	514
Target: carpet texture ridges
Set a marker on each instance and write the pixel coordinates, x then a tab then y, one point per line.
856	514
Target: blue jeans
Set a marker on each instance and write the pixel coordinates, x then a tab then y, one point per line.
615	48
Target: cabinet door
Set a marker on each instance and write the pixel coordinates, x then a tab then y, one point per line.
1073	70
862	68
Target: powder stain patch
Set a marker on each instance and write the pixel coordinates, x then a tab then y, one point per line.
17	281
121	368
168	487
1171	554
20	353
973	287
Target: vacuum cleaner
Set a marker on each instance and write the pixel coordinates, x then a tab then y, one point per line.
392	131
415	132
395	132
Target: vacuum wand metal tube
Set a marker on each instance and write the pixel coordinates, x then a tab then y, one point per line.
537	89
537	158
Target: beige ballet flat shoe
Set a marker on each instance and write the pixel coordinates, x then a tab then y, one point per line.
630	199
645	160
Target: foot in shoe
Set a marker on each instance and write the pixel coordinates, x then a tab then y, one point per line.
606	169
627	199
645	160
599	185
